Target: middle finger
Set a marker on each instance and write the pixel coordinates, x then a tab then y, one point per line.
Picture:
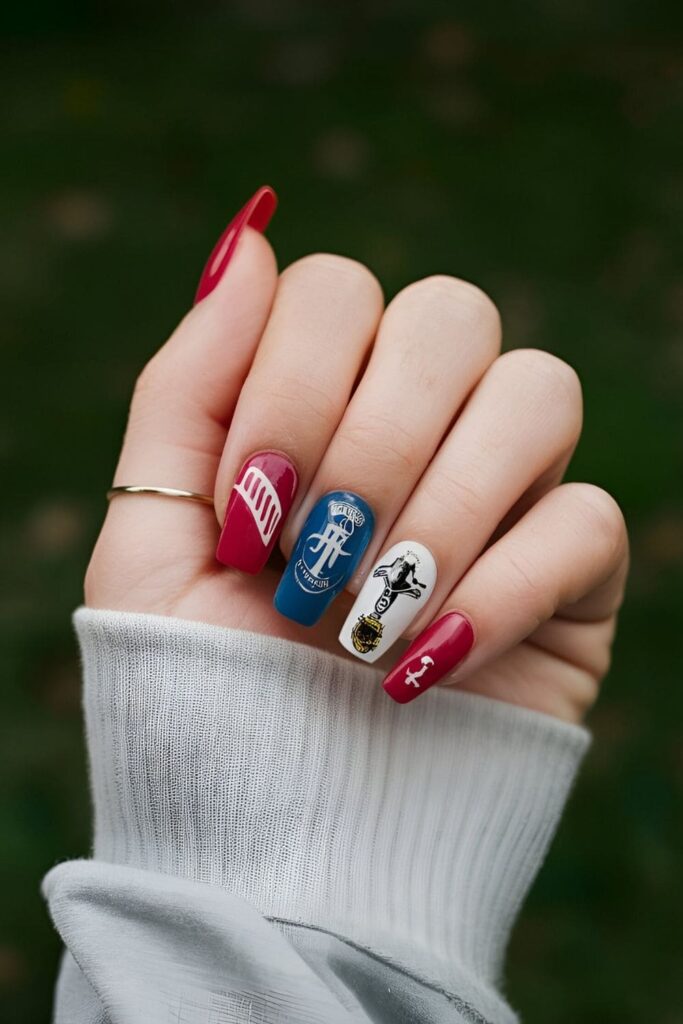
435	341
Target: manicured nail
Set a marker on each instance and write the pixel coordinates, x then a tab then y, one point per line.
260	499
256	214
397	588
431	656
325	556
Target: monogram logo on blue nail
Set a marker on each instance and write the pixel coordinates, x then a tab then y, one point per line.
327	552
315	570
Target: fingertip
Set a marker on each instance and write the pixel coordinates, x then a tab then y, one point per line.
253	267
255	215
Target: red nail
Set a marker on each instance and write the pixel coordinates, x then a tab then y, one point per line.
431	656
256	214
260	499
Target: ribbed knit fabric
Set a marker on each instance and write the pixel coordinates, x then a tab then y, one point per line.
287	777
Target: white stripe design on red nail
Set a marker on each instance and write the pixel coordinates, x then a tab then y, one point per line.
262	500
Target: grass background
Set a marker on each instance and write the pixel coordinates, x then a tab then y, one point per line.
534	148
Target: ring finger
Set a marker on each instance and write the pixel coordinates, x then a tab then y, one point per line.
516	429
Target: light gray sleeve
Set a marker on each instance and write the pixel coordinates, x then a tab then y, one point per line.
275	840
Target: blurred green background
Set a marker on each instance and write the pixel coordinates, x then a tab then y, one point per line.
533	148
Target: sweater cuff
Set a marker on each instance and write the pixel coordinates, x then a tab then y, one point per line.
286	776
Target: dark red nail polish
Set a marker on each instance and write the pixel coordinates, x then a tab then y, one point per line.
256	214
431	656
260	499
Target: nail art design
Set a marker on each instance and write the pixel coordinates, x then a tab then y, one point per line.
431	656
398	588
330	546
260	499
413	676
256	213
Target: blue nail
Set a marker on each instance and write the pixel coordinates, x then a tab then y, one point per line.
328	550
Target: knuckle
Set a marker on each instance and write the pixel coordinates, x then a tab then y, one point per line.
549	384
329	267
558	378
397	452
526	587
576	693
150	381
601	516
600	664
464	309
586	689
294	396
454	495
145	378
452	291
154	393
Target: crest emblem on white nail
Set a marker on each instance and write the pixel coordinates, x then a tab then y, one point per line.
396	590
262	500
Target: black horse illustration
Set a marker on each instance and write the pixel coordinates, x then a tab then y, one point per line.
399	578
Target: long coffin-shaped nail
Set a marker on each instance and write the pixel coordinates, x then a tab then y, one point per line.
431	656
329	548
396	590
256	213
260	499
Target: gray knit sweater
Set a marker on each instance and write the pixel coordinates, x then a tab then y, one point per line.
276	841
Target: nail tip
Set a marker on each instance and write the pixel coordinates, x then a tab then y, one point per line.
266	197
231	561
257	212
396	699
260	209
291	616
248	571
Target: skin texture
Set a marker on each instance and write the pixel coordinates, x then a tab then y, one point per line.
413	408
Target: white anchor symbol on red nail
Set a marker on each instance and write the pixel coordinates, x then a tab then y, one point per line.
411	678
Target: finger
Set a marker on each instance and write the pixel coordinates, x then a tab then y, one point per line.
549	680
323	322
435	341
255	214
571	546
185	396
182	404
516	429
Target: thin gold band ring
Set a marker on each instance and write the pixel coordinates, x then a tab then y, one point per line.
167	492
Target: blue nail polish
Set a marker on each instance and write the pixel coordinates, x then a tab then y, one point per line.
329	548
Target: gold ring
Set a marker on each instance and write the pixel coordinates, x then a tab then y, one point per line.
167	492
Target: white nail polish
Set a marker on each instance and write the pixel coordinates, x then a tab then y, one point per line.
395	592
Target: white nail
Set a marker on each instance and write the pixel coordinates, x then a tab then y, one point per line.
396	590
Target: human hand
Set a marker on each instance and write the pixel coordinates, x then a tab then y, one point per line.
455	448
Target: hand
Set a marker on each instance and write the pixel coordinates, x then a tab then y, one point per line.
412	407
